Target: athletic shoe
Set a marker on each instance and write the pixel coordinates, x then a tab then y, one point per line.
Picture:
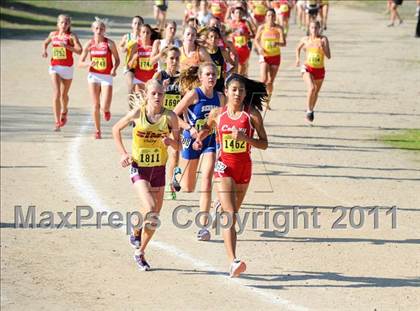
135	241
236	268
203	235
217	206
310	116
141	261
57	127
63	119
107	115
98	135
175	184
390	25
170	193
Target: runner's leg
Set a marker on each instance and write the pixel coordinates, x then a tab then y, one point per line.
151	200
207	168
226	194
65	88
311	89
55	79
107	97
318	84
95	93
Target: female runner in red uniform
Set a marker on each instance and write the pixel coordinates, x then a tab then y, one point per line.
100	50
64	44
313	71
235	124
140	61
242	32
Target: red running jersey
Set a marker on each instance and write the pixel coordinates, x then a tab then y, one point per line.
234	150
144	71
60	55
241	33
101	54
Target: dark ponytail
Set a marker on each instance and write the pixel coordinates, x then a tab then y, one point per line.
256	92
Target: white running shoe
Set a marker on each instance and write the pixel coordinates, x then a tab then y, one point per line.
236	268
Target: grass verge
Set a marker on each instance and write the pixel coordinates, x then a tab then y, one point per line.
25	18
407	139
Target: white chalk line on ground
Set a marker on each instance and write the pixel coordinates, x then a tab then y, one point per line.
88	193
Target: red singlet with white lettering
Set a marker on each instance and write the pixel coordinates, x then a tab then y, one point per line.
60	55
102	56
234	159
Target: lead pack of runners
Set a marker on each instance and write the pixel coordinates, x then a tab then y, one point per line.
191	105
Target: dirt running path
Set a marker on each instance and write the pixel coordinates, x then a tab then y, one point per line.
370	89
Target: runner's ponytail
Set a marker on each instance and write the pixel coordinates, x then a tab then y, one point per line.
256	92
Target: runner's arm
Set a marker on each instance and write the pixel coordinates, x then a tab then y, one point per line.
114	52
157	75
222	99
45	45
182	106
226	56
204	55
257	122
282	37
298	49
82	60
155	52
326	47
257	40
122	44
252	27
116	133
77	46
133	57
233	51
207	128
174	142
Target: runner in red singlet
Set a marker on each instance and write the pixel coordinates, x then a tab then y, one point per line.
64	44
235	124
102	69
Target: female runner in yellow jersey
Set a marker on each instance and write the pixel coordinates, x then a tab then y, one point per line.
313	71
153	124
270	37
128	41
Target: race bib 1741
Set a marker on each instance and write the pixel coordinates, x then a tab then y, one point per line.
144	63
